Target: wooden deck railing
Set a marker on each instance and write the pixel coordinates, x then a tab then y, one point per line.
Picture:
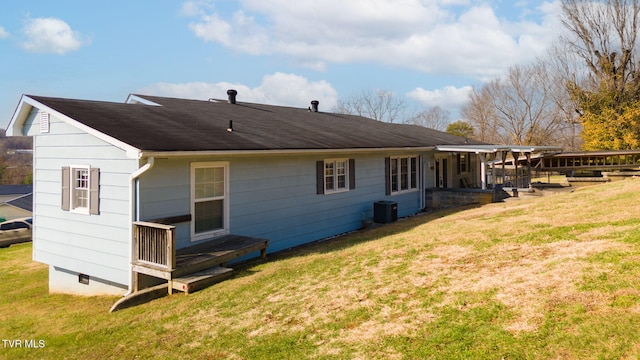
155	244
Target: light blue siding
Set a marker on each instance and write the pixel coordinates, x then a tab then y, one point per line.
96	245
270	196
274	197
164	192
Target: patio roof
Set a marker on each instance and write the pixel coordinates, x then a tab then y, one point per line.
497	148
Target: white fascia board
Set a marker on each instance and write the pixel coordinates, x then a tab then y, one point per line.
134	99
495	148
167	154
471	148
19	117
132	152
535	148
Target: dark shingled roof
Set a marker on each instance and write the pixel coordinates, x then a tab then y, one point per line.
24	202
196	125
15	189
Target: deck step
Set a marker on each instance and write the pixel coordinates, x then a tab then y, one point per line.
200	280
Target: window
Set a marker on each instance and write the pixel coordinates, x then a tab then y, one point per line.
463	167
335	175
209	200
402	174
80	189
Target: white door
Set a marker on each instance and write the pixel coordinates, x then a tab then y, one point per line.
442	172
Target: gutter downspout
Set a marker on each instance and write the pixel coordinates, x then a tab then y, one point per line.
134	201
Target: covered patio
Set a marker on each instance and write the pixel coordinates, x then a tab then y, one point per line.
495	157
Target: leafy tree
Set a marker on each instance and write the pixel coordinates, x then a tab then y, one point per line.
461	128
603	35
612	129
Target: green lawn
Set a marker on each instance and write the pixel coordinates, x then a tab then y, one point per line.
536	278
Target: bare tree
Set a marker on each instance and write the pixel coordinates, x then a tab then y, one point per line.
15	165
380	104
480	112
562	69
604	35
521	108
435	118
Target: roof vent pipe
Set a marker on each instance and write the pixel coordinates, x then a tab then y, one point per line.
314	105
232	96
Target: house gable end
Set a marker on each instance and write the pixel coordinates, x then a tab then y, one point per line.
27	104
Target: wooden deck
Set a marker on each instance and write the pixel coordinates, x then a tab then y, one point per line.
202	264
216	252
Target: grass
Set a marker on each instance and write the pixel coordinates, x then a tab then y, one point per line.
545	277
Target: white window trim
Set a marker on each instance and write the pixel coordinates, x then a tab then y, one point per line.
225	208
399	174
335	177
72	181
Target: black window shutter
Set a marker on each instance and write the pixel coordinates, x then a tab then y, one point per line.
66	188
387	175
320	177
352	174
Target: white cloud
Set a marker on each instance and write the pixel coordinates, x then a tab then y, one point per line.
445	37
3	33
196	7
275	89
51	36
447	97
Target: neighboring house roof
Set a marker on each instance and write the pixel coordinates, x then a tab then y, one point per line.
15	189
24	202
195	125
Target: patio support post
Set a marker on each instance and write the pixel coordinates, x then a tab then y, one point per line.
483	170
528	155
503	157
516	155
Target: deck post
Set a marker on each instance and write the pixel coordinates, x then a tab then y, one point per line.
171	248
136	281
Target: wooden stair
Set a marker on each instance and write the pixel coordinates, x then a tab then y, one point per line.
200	280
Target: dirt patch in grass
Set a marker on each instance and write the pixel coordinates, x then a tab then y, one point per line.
523	277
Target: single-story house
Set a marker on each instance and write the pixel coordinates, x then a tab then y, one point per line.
209	169
20	207
15	201
10	192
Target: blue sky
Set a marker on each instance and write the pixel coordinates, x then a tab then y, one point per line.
279	52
